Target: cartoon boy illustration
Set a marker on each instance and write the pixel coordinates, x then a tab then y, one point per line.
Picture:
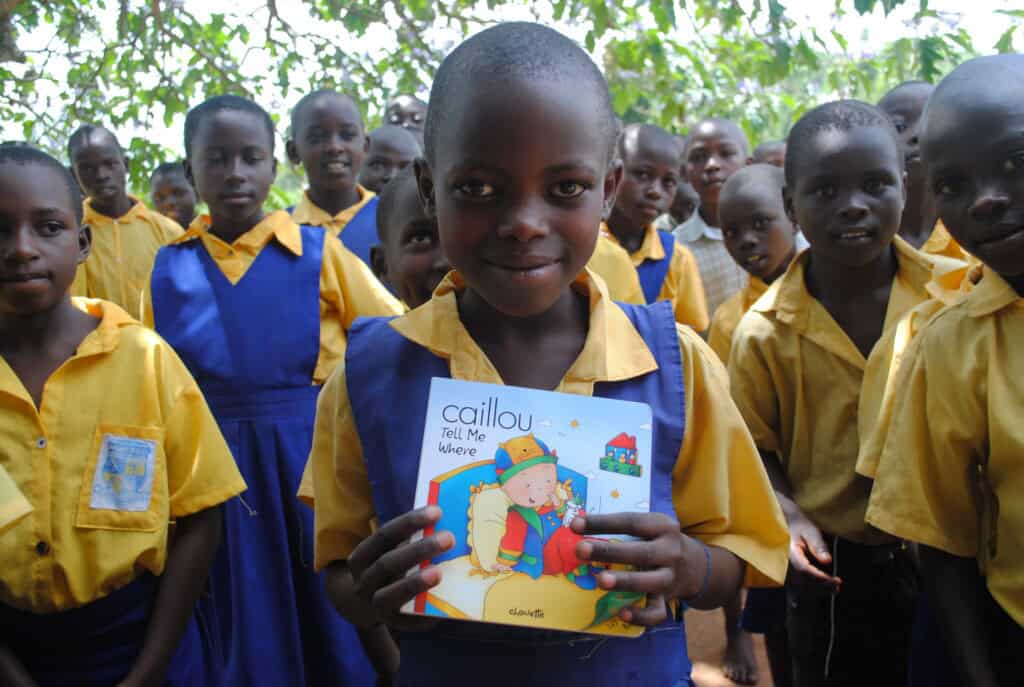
536	541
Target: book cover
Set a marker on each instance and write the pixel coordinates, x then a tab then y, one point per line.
510	468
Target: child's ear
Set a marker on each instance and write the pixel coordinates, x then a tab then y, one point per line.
273	168
787	202
186	165
904	189
379	263
366	144
292	151
612	181
84	242
425	186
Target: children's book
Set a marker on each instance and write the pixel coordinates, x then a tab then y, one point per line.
510	468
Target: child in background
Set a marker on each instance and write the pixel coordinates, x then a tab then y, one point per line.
650	160
803	360
171	193
328	139
257	307
950	472
686	200
392	149
518	215
107	436
408	112
125	233
770	153
715	149
920	226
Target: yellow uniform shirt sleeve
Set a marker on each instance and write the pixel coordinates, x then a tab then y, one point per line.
723	324
720	488
348	290
13	504
683	287
335	482
611	262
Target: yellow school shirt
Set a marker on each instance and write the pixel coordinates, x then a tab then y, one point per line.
682	285
729	314
122	255
123	393
347	287
951	475
719	486
13	504
611	262
801	385
308	212
941	242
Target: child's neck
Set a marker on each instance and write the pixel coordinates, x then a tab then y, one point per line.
709	213
629	237
770	279
333	202
533	352
228	230
119	207
919	218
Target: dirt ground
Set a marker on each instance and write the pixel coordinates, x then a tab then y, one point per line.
705	635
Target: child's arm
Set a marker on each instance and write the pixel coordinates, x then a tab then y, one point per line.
12	672
188	565
959	595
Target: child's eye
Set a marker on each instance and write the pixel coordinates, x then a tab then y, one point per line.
1015	163
671	182
825	191
900	127
760	223
874	186
52	228
946	187
568	189
476	189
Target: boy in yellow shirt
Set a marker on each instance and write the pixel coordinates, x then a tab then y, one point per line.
950	474
800	368
108	437
667	271
172	195
391	150
125	233
518	215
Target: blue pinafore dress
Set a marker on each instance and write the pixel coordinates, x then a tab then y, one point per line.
360	234
388	380
253	347
652	273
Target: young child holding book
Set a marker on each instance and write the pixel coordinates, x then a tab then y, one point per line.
108	439
950	473
518	216
257	307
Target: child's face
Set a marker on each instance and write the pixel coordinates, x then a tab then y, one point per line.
411	261
174	197
389	154
685	202
406	112
848	194
649	180
519	185
232	166
330	143
534	486
713	155
100	168
41	242
904	108
974	153
758	235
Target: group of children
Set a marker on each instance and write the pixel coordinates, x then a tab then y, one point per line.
212	448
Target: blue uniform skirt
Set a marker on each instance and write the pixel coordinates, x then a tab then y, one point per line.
276	624
96	645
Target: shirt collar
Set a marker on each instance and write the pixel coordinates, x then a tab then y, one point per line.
650	249
939	241
278	224
754	290
308	212
94	218
613	350
991	294
695	228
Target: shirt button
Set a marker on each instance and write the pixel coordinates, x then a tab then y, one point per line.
41	442
42	548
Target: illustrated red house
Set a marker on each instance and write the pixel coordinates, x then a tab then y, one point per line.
622	449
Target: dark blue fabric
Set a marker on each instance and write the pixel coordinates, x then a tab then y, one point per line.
360	234
388	380
96	645
652	273
253	348
764	611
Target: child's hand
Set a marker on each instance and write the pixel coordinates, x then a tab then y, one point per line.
807	549
669	565
379	566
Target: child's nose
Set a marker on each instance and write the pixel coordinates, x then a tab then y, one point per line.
990	204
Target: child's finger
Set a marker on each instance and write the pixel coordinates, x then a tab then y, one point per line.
642	525
642	554
391	536
655	581
798	559
654	613
396	563
389	600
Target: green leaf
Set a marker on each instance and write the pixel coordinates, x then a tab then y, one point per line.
1005	42
609	605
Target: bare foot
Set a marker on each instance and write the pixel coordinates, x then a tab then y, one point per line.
740	664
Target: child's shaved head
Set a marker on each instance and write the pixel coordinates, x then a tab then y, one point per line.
509	52
88	132
722	125
762	175
651	133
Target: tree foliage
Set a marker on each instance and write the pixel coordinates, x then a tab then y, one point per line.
130	64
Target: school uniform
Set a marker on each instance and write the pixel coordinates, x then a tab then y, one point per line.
611	262
950	475
807	394
122	254
708	477
668	272
121	446
941	242
356	225
728	315
13	504
261	323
